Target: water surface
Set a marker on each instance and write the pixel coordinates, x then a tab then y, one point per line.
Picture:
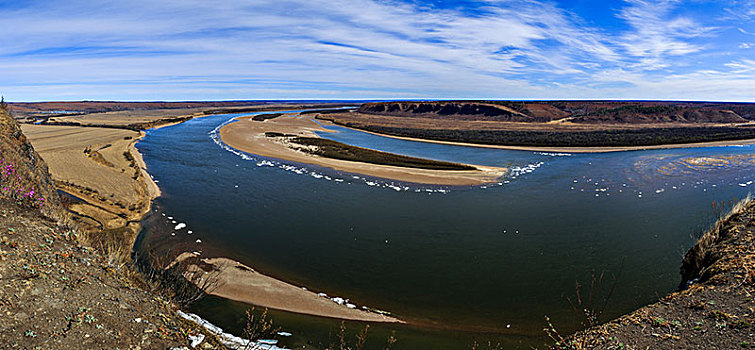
484	262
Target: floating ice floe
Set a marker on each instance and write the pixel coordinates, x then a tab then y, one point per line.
554	154
284	334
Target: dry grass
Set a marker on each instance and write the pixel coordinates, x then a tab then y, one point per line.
713	311
94	164
129	117
358	341
702	254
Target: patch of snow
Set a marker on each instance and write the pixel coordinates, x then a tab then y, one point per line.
229	340
196	340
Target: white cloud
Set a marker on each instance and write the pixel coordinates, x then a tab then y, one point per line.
656	34
163	49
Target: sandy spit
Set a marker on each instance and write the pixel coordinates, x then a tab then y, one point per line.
249	136
238	282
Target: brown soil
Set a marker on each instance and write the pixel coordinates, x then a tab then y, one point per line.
57	294
716	312
100	166
55	291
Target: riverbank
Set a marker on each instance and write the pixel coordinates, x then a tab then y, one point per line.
252	137
597	149
103	168
714	311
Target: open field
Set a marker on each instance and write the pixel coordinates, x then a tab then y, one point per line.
127	118
98	165
250	136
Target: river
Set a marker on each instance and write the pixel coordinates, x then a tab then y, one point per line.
484	263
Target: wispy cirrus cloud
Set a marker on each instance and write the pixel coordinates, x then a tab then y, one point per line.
163	49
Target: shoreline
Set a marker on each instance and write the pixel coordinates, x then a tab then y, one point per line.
249	136
237	290
244	284
557	149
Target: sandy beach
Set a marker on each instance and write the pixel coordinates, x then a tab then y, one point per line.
242	283
249	136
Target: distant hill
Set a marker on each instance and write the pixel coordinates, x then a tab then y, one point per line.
586	112
109	106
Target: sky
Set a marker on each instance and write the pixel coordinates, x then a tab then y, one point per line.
179	50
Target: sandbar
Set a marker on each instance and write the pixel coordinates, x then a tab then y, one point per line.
248	135
238	282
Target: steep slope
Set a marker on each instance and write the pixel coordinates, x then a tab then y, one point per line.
715	311
56	293
24	176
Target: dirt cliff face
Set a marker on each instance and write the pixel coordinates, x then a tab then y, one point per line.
585	112
57	293
24	177
461	110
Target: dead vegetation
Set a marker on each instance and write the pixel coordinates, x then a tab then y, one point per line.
65	288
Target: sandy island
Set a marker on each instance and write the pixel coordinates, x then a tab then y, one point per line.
248	135
238	282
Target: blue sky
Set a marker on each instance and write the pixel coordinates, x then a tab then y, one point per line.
372	49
